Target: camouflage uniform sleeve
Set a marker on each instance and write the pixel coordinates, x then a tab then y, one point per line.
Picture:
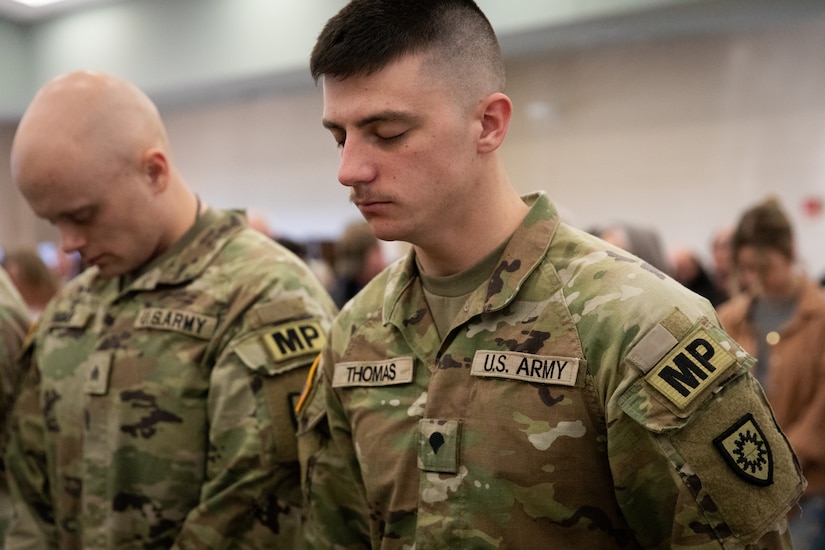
696	454
14	323
252	491
335	511
32	523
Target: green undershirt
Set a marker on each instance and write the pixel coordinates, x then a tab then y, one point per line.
446	296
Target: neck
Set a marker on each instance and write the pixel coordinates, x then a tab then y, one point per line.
474	238
187	208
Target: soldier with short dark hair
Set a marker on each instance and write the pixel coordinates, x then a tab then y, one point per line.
512	382
158	407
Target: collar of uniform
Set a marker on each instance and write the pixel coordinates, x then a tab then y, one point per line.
187	258
526	249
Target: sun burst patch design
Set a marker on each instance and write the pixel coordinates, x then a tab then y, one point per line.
745	449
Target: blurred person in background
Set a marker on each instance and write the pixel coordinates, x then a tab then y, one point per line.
35	281
14	324
722	269
779	317
644	242
688	270
157	410
358	258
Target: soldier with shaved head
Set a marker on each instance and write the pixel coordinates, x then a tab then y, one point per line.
512	382
157	409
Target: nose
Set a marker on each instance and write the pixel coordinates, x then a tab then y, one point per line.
71	238
357	165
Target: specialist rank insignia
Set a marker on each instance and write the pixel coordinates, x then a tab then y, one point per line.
746	451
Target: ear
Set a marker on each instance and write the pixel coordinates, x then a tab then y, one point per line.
156	169
496	110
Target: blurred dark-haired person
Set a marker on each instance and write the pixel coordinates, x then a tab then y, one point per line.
512	382
780	319
36	282
358	258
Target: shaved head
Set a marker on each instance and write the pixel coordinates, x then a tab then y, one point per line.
91	156
88	112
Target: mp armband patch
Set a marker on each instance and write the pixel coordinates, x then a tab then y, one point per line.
294	339
690	368
746	450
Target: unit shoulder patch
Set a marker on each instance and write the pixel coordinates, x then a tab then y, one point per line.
746	450
690	368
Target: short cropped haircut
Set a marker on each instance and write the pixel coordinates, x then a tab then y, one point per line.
764	225
367	35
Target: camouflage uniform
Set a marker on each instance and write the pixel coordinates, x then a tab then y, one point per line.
159	415
581	400
14	323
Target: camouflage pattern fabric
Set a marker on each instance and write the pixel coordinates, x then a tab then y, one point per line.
581	400
160	415
14	323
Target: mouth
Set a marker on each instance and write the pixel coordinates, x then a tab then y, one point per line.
93	261
362	202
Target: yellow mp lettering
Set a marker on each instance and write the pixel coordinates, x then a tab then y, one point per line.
688	369
295	339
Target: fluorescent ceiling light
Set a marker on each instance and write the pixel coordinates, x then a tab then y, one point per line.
37	3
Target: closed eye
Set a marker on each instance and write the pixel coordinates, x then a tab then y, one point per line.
393	137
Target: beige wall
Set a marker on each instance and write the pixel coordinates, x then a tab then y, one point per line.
679	134
17	225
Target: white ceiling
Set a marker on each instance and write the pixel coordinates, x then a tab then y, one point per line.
21	13
182	51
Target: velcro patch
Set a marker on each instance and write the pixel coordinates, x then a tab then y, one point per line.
177	320
77	318
97	374
398	370
746	450
439	442
690	368
540	369
295	339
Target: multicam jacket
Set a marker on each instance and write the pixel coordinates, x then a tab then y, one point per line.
581	400
159	415
14	323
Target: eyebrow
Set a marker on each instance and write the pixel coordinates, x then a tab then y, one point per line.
381	116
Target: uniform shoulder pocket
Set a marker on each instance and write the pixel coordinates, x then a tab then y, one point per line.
712	421
681	372
278	348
